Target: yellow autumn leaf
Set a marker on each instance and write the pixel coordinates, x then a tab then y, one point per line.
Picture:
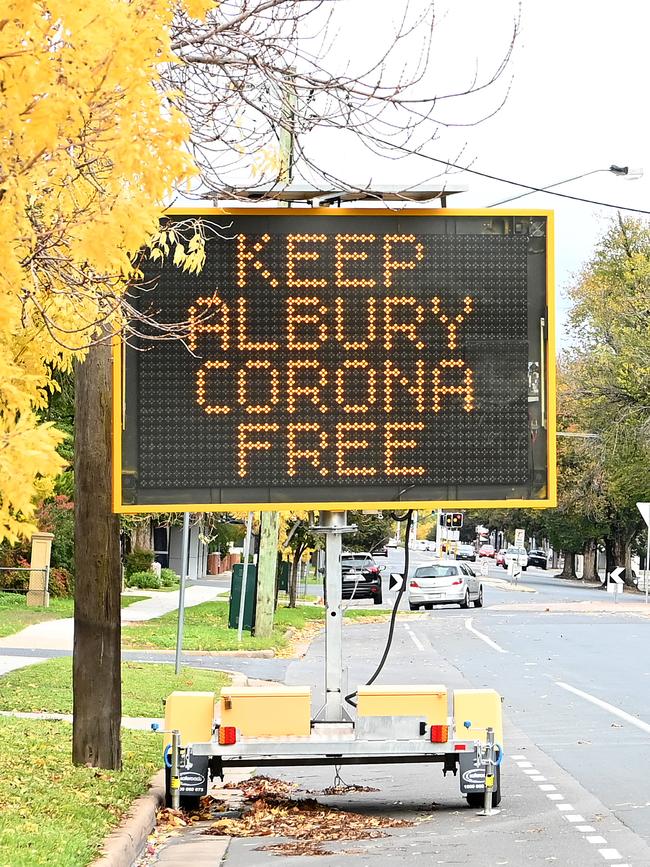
89	153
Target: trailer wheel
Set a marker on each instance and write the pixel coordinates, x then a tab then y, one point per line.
477	799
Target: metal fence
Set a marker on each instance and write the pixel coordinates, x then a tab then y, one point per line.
23	590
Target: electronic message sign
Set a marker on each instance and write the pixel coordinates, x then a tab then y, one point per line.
330	358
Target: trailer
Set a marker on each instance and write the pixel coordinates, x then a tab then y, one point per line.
275	726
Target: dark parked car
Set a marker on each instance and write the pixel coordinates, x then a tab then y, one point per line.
537	558
361	577
466	552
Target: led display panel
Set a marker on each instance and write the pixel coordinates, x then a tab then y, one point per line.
329	357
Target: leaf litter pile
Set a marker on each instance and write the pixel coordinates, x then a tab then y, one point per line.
271	812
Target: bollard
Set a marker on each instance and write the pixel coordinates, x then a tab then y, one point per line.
174	778
490	766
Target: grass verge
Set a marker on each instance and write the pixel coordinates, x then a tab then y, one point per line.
206	628
15	615
55	813
47	687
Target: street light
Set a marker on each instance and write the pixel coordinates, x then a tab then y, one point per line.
619	171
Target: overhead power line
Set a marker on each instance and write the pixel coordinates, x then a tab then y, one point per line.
528	187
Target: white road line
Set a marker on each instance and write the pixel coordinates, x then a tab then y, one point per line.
565	808
524	764
547	788
492	644
575	818
538	778
416	640
586	829
610	708
555	797
598	841
610	854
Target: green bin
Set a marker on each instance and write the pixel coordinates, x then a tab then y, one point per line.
235	596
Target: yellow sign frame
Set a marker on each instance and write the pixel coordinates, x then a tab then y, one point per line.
549	501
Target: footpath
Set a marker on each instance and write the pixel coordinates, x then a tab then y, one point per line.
58	635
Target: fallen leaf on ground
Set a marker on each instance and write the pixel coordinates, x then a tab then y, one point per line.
295	849
168	818
303	819
263	787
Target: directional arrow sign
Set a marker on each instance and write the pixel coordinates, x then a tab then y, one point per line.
644	508
615	580
396	581
615	575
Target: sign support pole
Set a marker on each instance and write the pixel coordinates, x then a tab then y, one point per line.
647	567
185	553
644	508
333	525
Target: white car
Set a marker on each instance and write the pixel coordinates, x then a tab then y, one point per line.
518	555
444	583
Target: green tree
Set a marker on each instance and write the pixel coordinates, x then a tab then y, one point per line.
607	386
372	532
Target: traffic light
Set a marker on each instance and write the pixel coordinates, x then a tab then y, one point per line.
453	520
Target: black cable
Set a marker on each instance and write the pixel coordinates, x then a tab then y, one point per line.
391	629
490	177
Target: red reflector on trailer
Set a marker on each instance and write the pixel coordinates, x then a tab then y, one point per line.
460	747
227	735
439	734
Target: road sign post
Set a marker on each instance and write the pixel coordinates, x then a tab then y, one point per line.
615	582
644	508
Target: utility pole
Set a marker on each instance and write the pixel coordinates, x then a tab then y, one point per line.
267	565
96	656
267	560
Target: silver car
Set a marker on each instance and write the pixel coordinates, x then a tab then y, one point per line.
444	583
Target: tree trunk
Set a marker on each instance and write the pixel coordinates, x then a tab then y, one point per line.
569	570
619	554
141	537
627	576
590	554
96	684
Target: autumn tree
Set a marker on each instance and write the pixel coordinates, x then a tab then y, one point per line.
90	149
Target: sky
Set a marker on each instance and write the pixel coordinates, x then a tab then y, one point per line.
575	101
